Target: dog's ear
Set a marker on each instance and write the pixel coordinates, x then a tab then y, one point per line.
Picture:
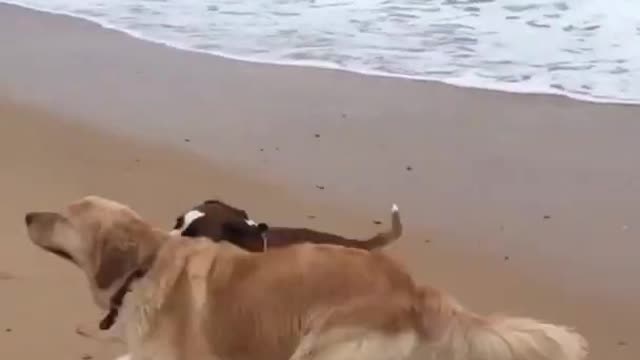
118	255
263	227
234	230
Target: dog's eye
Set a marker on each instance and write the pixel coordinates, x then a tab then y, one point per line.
179	223
190	231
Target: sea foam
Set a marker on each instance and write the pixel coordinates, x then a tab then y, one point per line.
585	49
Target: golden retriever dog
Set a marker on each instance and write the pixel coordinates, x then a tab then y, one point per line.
202	300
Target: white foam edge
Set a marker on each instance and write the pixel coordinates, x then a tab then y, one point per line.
504	88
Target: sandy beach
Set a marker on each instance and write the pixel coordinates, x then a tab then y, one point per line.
526	204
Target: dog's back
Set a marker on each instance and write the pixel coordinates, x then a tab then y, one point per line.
230	304
270	303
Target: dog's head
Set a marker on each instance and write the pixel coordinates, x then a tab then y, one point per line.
219	221
105	239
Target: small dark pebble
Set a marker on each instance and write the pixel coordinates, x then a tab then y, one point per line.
261	149
317	135
6	276
547	217
277	149
320	187
86	357
187	140
506	258
409	168
8	330
377	222
622	343
311	216
344	116
427	241
137	160
501	227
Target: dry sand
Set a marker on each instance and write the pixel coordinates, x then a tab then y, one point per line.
524	204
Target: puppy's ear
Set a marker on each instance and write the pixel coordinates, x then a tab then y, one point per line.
118	256
234	230
262	227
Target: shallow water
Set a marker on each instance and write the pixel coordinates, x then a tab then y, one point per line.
586	49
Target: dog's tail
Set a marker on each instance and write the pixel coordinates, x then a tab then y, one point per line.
385	238
454	333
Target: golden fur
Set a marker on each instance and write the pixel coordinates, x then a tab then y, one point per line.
213	301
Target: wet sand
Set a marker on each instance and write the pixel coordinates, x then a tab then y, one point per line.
523	204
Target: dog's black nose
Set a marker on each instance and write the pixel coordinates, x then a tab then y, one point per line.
29	218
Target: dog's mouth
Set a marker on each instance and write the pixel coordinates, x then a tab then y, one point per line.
61	253
179	223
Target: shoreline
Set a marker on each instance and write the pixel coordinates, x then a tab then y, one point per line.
519	203
321	65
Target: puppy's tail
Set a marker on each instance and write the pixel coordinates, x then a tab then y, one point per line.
453	333
385	238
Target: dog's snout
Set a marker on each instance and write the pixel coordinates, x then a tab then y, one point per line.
29	218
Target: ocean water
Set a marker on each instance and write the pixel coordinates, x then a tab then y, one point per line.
585	49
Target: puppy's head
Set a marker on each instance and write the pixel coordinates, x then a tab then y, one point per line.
218	221
105	239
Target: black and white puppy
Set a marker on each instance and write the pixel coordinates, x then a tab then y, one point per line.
220	221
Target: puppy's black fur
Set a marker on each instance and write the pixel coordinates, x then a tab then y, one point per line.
221	221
